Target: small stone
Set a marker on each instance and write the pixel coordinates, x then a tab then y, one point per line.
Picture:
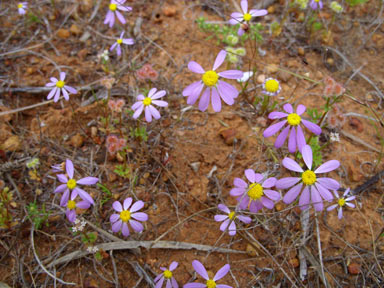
330	61
112	177
293	63
284	76
272	68
85	36
260	79
195	166
354	268
93	131
169	11
229	135
356	124
271	9
77	140
319	75
75	30
63	33
301	51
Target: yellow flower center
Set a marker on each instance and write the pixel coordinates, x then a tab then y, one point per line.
211	284
231	215
317	1
113	7
60	84
247	17
119	41
125	215
71	205
341	202
255	191
20	6
71	184
147	101
308	177
210	78
167	274
293	119
272	85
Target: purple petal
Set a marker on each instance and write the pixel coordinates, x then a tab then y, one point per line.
120	17
84	195
240	32
224	208
244	219
137	206
137	226
125	229
57	95
71	215
300	138
117	206
291	165
158	95
250	174
61	188
137	105
148	114
62	76
53	91
220	218
113	46
140	97
69	168
173	266
237	191
227	92
236	18
332	207
328	166
240	183
127	203
195	285
324	192
272	194
292	194
244	6
270	182
287	182
314	128
244	201
219	59
83	205
70	89
329	183
204	100
316	199
272	130
267	202
282	136
195	67
65	94
300	109
174	283
200	269
138	111
224	225
88	181
258	177
140	216
292	140
64	198
191	88
121	35
114	218
116	227
288	108
223	286
231	74
304	199
118	50
195	94
255	206
258	13
159	278
277	115
340	213
215	100
222	272
152	92
350	205
155	113
128	41
307	156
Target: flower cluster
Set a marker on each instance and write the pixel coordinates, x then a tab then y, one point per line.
147	72
332	88
70	191
115	144
116	105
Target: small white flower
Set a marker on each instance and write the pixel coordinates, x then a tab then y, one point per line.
246	76
334	137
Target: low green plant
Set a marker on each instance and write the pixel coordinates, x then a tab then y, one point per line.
37	216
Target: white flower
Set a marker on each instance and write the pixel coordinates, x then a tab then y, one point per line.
246	76
334	137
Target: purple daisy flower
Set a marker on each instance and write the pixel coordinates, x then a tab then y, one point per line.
119	41
145	103
229	219
59	87
316	4
71	185
210	283
22	8
315	189
216	87
167	275
296	134
341	202
257	194
114	6
120	221
72	205
245	17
